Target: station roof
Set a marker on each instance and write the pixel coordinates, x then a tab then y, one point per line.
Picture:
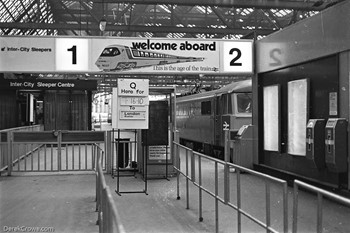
223	19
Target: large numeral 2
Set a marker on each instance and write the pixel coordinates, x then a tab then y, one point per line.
274	54
238	56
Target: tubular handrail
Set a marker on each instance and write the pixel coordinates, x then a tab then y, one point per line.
24	128
108	217
320	194
226	199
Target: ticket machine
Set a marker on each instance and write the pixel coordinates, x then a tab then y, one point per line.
336	144
315	151
243	147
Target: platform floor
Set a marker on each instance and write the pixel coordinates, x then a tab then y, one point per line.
160	211
66	203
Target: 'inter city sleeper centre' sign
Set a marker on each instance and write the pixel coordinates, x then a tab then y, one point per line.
125	55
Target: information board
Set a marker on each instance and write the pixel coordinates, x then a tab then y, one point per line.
159	153
125	55
130	104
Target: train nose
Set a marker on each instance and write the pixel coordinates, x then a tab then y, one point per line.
101	63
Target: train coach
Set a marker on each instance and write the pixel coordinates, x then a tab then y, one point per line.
120	57
200	117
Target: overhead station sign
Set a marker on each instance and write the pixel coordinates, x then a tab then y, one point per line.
48	84
125	55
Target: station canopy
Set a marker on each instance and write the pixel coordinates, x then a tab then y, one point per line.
173	19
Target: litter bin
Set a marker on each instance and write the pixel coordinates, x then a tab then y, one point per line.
122	148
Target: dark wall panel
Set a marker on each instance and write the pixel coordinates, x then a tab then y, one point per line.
157	133
65	110
323	76
50	110
79	112
8	112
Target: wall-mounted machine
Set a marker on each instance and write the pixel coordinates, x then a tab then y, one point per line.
336	144
243	147
315	147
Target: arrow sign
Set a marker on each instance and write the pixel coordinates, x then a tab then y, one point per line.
226	126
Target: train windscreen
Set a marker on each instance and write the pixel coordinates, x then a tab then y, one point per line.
110	52
244	103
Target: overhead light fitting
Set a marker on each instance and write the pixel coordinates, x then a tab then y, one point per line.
102	24
103	21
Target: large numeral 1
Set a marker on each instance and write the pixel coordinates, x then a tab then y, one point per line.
74	54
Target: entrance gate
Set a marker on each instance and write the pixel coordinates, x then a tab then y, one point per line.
55	151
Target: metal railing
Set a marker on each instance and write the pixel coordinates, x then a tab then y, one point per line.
52	151
194	161
5	145
108	218
320	195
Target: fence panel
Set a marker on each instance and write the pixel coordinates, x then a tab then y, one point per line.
5	143
53	151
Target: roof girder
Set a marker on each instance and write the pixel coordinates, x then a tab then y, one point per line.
136	28
261	4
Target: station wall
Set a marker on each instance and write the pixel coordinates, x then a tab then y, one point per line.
323	78
67	110
49	102
8	109
316	50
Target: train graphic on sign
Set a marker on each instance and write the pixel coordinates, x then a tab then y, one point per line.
120	57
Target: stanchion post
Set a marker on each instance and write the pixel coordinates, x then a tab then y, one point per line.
285	207
295	208
9	153
226	168
200	188
59	152
187	183
108	144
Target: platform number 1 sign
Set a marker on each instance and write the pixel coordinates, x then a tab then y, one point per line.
72	54
237	56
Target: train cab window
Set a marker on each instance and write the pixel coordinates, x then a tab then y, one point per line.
136	53
229	100
224	105
110	52
206	108
244	103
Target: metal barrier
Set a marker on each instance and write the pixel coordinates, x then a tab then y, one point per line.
195	159
5	144
320	194
52	151
108	218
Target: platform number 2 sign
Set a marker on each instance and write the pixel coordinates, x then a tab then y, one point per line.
237	57
72	54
